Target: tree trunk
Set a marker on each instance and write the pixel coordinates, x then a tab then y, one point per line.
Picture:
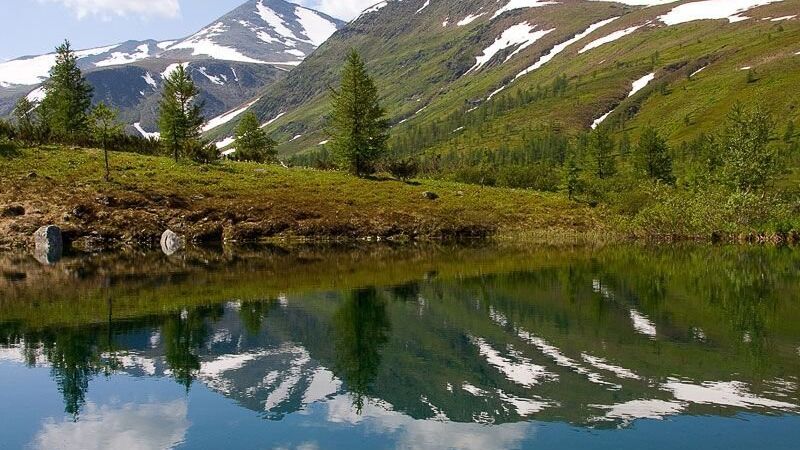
108	168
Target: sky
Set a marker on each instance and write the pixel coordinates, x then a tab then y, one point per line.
32	27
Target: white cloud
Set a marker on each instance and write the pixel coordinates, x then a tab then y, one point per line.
129	426
149	8
342	9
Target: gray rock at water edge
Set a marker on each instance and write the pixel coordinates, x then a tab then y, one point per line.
430	195
48	244
171	243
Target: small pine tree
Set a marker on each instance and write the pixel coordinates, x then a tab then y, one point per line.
358	129
252	142
602	146
625	144
571	174
25	116
180	118
104	126
653	154
68	97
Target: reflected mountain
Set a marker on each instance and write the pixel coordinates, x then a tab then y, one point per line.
596	338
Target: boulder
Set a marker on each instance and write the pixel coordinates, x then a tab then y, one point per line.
48	244
171	243
430	195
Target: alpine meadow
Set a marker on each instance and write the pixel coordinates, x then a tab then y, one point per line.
427	224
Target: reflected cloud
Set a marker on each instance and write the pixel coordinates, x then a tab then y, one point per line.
130	426
410	434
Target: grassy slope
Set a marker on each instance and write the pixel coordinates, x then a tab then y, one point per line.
417	63
249	201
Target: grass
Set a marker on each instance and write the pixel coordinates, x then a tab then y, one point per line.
243	201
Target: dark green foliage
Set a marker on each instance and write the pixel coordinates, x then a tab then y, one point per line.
68	97
359	131
202	152
571	174
749	162
252	142
403	168
7	131
653	156
602	150
104	126
26	118
180	119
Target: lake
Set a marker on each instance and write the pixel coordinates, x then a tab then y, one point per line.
403	347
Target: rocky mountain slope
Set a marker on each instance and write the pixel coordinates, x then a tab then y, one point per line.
472	74
231	59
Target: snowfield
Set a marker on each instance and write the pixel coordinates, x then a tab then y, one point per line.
712	9
521	36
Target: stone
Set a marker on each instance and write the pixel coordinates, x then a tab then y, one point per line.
48	244
171	243
430	195
12	211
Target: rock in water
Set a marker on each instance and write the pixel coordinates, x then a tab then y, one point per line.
49	244
171	243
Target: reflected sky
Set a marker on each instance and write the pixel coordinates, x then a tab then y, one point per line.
464	349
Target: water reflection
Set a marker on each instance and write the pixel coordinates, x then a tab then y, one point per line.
595	339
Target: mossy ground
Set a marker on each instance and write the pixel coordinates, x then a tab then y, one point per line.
250	202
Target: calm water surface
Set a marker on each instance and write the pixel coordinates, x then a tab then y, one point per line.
428	347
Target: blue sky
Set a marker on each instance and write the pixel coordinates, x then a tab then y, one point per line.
37	26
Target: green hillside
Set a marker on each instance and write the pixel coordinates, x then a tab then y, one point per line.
421	67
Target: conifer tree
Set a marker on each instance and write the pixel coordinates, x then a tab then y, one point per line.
252	142
602	147
104	125
180	118
25	116
359	131
653	155
571	175
68	97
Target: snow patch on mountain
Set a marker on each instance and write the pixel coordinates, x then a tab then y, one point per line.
619	34
520	4
34	70
521	36
119	58
641	83
203	44
227	117
316	28
563	46
712	9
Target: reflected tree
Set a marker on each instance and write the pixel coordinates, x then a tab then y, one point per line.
361	326
183	335
252	315
74	361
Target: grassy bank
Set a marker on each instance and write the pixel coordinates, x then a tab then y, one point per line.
251	202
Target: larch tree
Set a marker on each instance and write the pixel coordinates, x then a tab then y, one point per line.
358	128
180	118
104	126
653	156
252	142
68	97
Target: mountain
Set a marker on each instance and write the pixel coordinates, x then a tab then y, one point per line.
457	75
232	60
